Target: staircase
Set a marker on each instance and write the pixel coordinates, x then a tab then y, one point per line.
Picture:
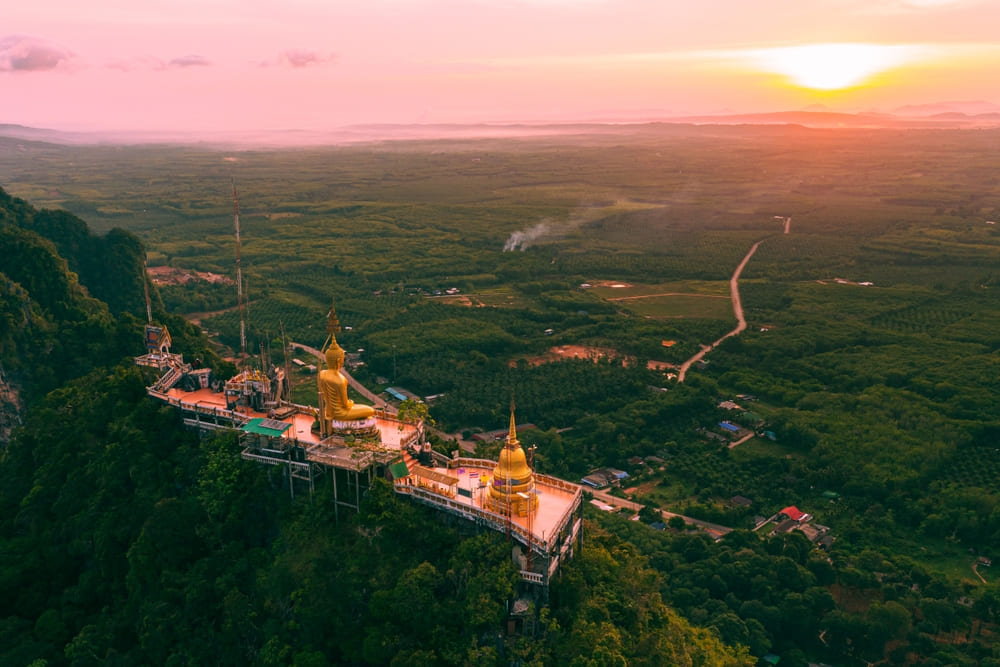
409	460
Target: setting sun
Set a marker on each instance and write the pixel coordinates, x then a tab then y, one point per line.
832	66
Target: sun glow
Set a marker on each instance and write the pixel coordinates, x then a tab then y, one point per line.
832	66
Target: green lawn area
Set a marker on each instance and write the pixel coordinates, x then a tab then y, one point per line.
605	290
692	299
680	306
761	448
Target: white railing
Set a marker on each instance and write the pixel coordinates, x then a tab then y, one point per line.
463	461
246	454
558	483
206	425
532	577
497	521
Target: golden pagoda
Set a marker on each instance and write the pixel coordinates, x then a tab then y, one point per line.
513	487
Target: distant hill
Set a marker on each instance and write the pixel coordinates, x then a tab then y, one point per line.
46	135
974	108
110	267
856	120
70	301
941	115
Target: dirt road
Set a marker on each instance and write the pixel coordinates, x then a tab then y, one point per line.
741	323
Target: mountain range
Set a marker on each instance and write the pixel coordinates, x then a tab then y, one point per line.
939	115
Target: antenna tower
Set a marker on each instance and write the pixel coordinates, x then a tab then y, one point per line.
239	275
287	385
145	291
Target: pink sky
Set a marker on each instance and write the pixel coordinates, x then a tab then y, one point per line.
211	65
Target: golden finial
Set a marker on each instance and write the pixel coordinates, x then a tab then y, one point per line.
512	436
332	323
332	328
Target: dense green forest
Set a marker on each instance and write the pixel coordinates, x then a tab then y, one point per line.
871	355
127	540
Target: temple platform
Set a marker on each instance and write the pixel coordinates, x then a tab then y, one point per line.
206	408
285	437
549	532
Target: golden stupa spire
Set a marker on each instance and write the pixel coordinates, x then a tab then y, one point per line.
512	434
513	487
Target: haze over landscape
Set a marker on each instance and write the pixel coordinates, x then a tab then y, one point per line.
197	68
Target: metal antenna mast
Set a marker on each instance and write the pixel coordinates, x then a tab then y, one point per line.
145	291
239	275
287	384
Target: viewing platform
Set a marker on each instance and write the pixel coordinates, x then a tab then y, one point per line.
549	533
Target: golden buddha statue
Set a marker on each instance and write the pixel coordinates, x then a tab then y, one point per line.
513	485
333	388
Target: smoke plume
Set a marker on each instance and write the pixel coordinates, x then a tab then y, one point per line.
523	239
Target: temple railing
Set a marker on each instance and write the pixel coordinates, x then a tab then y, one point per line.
493	519
272	460
464	461
237	418
533	577
561	484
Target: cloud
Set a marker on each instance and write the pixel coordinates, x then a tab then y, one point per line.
922	4
297	59
189	61
138	63
19	53
153	63
893	7
302	58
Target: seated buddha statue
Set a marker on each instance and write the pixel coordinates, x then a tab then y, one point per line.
333	388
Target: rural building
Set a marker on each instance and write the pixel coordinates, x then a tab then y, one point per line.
795	514
604	477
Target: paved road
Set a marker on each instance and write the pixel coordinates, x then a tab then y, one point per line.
741	323
713	529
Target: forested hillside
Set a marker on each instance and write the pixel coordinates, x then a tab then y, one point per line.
69	300
127	540
577	273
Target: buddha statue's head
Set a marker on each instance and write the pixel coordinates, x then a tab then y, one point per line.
334	356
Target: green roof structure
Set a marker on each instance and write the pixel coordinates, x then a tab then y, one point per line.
398	470
269	427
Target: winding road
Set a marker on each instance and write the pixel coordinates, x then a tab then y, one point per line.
741	323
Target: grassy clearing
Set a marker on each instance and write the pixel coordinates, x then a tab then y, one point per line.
694	299
679	306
